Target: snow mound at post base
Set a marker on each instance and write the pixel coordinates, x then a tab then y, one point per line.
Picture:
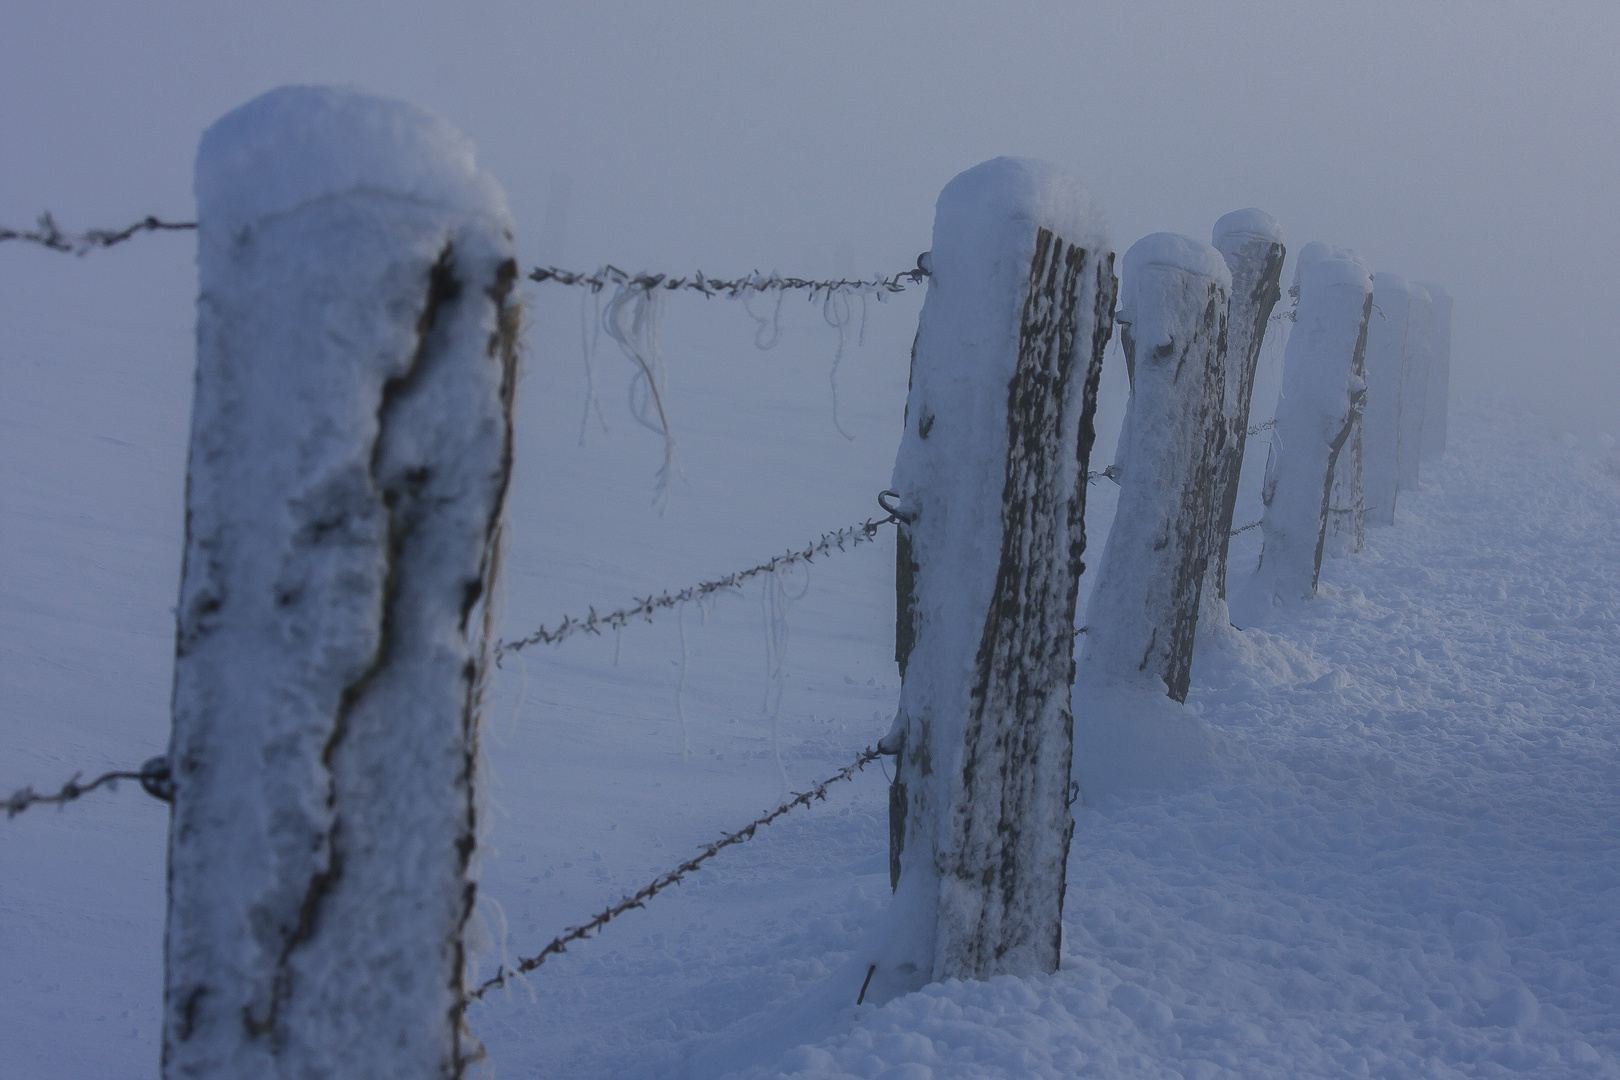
296	144
1131	739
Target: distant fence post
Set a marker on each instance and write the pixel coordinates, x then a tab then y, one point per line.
350	448
1414	388
991	481
1381	417
1347	513
1315	415
1173	325
1438	398
1251	242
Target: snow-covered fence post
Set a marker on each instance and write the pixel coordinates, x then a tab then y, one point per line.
1414	387
350	447
1173	325
1381	417
1346	531
991	481
1316	410
1251	242
1438	398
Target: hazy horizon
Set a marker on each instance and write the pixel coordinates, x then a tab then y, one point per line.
1471	146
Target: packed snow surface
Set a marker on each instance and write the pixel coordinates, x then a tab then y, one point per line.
1388	844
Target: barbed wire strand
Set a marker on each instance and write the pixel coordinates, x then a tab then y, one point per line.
1246	528
47	234
559	944
154	778
732	287
839	540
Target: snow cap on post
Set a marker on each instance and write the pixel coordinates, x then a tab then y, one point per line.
1240	225
296	144
1173	251
350	450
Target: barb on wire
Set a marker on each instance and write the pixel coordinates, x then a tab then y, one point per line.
48	234
154	777
559	944
839	539
732	287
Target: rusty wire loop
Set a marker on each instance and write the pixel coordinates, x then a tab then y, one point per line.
559	944
839	540
154	778
730	288
47	234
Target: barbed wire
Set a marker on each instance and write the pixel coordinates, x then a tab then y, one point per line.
154	778
48	234
1246	528
839	539
732	287
1267	426
559	944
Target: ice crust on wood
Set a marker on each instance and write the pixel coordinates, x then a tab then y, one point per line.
1252	245
1315	411
1381	418
1144	611
349	452
991	474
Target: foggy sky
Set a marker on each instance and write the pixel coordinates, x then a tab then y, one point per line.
1473	144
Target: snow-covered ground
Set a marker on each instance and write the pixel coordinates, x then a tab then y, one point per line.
1405	862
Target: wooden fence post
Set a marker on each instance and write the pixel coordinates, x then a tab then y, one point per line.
1414	388
1173	320
350	448
1251	242
991	479
1381	418
1316	410
1438	396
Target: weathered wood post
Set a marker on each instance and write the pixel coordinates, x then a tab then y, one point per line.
1438	397
350	447
1414	388
991	479
1173	325
1315	413
1381	417
1251	242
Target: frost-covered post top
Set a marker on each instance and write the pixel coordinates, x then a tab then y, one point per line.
1353	270
975	208
1240	225
1173	251
296	144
